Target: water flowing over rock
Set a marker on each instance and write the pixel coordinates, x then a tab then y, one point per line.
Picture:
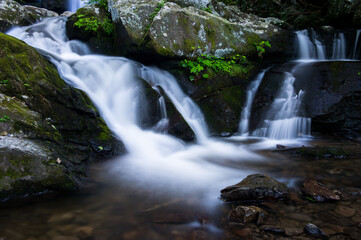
190	32
256	187
12	14
48	129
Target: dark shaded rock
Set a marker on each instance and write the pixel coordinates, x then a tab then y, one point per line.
49	130
272	229
247	214
99	41
58	6
314	231
255	187
319	192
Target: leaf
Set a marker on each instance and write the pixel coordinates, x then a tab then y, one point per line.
205	75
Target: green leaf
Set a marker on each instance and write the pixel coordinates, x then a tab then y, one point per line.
205	75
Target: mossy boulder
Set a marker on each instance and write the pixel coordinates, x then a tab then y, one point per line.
49	130
172	31
12	14
98	40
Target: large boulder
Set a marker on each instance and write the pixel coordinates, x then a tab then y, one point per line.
255	187
48	130
173	31
12	14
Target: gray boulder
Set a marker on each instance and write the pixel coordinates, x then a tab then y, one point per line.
189	32
12	14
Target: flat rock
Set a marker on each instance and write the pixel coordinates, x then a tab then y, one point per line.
256	187
319	192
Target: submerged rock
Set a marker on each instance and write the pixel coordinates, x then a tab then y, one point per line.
255	187
319	192
314	231
247	214
12	14
48	129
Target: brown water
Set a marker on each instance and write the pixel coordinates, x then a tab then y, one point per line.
107	208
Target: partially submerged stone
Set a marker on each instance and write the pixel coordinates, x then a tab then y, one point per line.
319	192
314	231
256	187
247	214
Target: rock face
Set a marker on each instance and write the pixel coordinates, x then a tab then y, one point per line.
48	129
256	187
12	13
188	32
58	6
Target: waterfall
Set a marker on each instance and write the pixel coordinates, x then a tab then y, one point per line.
282	119
73	5
154	159
311	47
356	48
246	112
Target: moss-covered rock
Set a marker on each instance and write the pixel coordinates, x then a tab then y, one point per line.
98	39
189	30
12	13
48	129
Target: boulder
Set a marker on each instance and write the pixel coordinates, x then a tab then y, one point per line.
12	14
170	30
314	231
48	130
256	187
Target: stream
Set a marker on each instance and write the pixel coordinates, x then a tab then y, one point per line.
164	188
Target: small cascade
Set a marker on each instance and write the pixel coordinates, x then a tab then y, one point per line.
309	47
163	123
312	47
74	5
339	47
357	47
282	119
246	112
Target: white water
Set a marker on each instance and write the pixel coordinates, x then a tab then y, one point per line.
73	5
154	160
282	120
246	112
311	47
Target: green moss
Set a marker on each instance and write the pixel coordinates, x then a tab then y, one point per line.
105	134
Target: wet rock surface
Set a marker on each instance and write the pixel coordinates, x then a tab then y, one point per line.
255	187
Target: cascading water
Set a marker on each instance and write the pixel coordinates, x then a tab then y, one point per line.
113	83
312	47
246	112
282	120
73	5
